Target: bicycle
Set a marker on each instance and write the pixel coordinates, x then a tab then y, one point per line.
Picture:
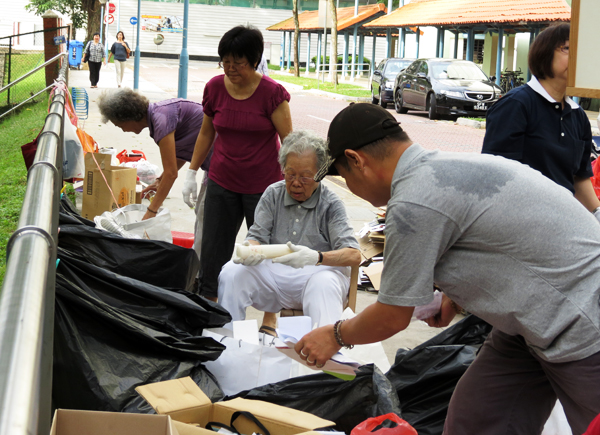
510	80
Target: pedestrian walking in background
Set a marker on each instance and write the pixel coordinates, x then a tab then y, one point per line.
94	55
120	50
251	114
539	125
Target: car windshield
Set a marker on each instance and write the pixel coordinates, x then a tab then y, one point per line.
457	71
395	66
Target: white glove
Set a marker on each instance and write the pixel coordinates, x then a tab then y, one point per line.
302	256
250	260
190	188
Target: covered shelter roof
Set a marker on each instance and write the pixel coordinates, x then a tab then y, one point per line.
519	15
309	20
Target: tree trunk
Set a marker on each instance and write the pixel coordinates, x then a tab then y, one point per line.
333	77
92	7
296	36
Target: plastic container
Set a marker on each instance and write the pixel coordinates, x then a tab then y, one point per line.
185	240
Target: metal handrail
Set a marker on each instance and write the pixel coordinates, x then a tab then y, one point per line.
54	59
27	299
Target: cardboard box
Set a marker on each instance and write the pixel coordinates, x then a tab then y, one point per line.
96	196
185	402
72	422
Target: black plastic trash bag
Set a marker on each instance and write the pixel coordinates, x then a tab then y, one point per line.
347	403
113	333
425	377
151	261
70	215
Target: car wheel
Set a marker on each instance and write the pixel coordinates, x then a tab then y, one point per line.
381	102
432	107
374	99
398	103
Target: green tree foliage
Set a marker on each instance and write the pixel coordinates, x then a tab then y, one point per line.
83	13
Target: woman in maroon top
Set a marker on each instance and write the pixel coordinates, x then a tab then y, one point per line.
251	114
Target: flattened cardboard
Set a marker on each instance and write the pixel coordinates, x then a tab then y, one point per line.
73	422
369	249
96	196
374	272
185	402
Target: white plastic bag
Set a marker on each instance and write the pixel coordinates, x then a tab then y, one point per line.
73	163
156	228
145	170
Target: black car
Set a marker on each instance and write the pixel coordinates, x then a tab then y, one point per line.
445	86
382	80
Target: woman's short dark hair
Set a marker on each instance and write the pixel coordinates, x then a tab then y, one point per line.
121	32
541	52
96	33
243	41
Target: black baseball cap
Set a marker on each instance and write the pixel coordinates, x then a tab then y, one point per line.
354	127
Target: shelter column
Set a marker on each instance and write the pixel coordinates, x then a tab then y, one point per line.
282	57
531	39
388	39
373	53
402	42
470	40
307	72
437	43
353	69
499	55
318	63
346	52
361	51
442	40
289	50
456	44
418	40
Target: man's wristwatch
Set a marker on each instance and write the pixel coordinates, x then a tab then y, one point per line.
320	259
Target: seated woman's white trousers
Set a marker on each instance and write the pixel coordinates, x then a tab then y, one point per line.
320	291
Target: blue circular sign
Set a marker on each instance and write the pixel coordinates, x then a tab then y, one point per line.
133	20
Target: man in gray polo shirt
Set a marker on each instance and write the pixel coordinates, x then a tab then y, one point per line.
500	240
312	220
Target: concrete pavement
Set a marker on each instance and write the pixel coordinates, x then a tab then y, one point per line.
158	81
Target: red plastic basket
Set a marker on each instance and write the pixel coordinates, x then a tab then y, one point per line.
185	240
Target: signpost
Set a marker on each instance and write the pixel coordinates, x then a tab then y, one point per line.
133	21
109	19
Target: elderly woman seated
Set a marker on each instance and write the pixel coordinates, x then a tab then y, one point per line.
315	276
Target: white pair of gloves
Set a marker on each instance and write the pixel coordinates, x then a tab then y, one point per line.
300	257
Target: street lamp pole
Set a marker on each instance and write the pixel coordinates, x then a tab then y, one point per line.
184	56
102	3
136	62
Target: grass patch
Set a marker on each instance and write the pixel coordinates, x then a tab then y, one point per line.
21	64
17	129
342	88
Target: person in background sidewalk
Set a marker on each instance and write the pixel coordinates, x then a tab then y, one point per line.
539	125
174	125
501	240
94	52
251	114
120	50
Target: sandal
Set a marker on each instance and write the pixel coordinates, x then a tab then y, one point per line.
268	330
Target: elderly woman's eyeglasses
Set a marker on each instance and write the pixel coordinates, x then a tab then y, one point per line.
291	178
564	49
234	65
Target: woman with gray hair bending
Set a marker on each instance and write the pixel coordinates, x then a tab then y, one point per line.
312	220
174	125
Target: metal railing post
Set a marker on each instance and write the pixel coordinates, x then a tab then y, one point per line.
9	67
27	299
